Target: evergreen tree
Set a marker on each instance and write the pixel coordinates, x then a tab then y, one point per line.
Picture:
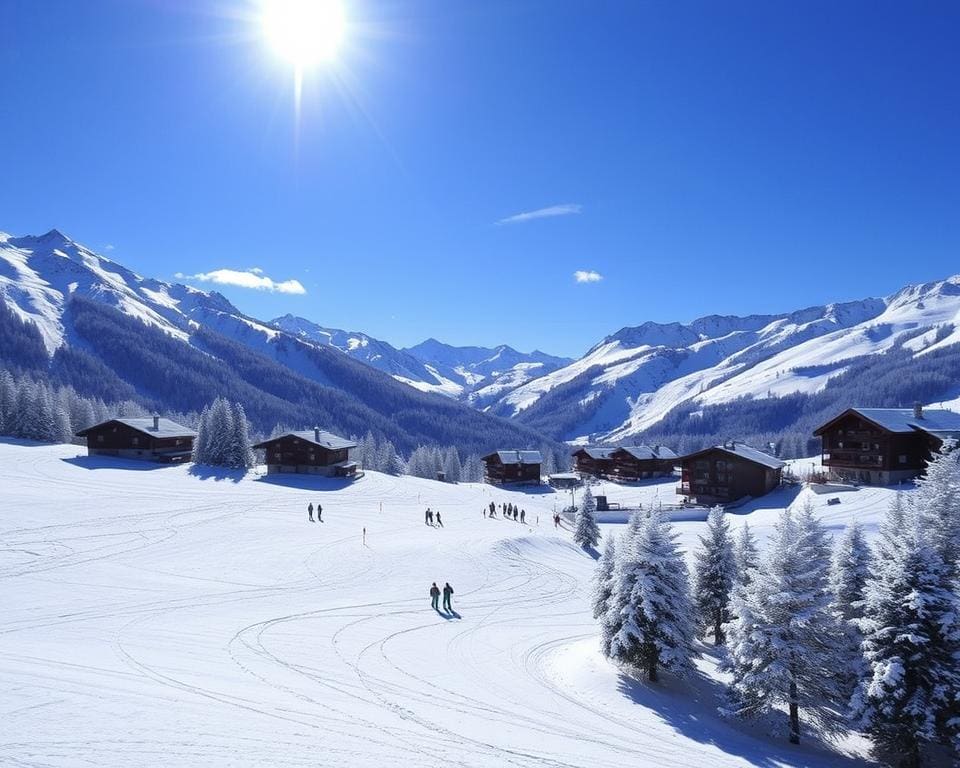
451	466
241	453
937	501
909	688
603	581
586	531
473	469
621	581
8	399
714	573
746	555
656	618
849	572
781	645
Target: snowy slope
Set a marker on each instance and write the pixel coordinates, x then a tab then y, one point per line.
153	616
634	377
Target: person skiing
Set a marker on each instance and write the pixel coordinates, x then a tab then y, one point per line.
426	517
484	513
515	513
439	521
523	516
447	591
556	520
493	508
319	513
310	511
434	596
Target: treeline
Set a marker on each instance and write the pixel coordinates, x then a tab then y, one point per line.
813	635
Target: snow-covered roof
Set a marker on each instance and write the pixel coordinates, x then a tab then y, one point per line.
319	437
518	457
940	422
164	427
645	452
596	453
744	451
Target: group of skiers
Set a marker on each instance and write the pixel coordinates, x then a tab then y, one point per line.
319	512
508	511
430	515
435	596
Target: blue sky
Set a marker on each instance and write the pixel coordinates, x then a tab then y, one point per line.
698	158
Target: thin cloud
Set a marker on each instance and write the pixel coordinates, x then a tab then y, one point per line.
250	278
587	276
109	247
566	209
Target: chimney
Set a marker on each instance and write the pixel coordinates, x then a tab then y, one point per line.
316	434
918	410
156	423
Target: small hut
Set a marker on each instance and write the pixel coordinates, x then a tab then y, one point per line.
149	439
512	467
311	452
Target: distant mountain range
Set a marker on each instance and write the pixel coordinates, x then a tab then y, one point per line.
112	332
646	379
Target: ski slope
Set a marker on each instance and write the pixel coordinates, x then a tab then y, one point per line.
156	617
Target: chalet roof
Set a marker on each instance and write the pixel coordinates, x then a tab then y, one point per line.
318	437
744	451
645	452
937	421
165	427
596	453
517	457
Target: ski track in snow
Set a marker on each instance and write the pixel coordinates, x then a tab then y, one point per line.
154	617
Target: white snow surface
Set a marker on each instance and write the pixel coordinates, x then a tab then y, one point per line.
159	616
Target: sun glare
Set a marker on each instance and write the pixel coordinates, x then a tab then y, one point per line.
304	32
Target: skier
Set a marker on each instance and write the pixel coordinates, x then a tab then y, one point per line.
493	508
434	596
439	521
426	517
523	516
447	591
484	513
556	521
515	513
310	511
319	513
364	539
430	515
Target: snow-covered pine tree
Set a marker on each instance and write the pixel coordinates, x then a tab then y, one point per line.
473	469
388	460
910	686
8	399
781	647
714	573
586	532
849	572
746	555
657	624
241	453
549	462
937	501
603	579
201	443
451	465
621	580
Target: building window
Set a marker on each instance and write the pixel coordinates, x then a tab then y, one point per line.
136	441
903	459
99	438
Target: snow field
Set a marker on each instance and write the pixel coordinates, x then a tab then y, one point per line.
154	616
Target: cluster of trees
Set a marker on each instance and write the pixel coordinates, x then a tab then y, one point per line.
837	636
429	462
33	409
378	455
223	436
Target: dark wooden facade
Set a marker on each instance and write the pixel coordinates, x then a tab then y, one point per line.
311	452
630	464
594	462
866	450
148	439
724	474
512	467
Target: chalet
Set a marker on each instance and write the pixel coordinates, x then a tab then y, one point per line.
594	462
882	446
636	462
312	452
728	472
512	467
150	439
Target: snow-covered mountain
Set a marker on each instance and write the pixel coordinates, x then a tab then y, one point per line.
61	287
631	379
478	375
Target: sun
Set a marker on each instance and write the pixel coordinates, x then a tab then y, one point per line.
306	33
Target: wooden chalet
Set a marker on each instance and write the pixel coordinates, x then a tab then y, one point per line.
312	452
637	462
150	439
512	467
726	473
594	462
882	446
